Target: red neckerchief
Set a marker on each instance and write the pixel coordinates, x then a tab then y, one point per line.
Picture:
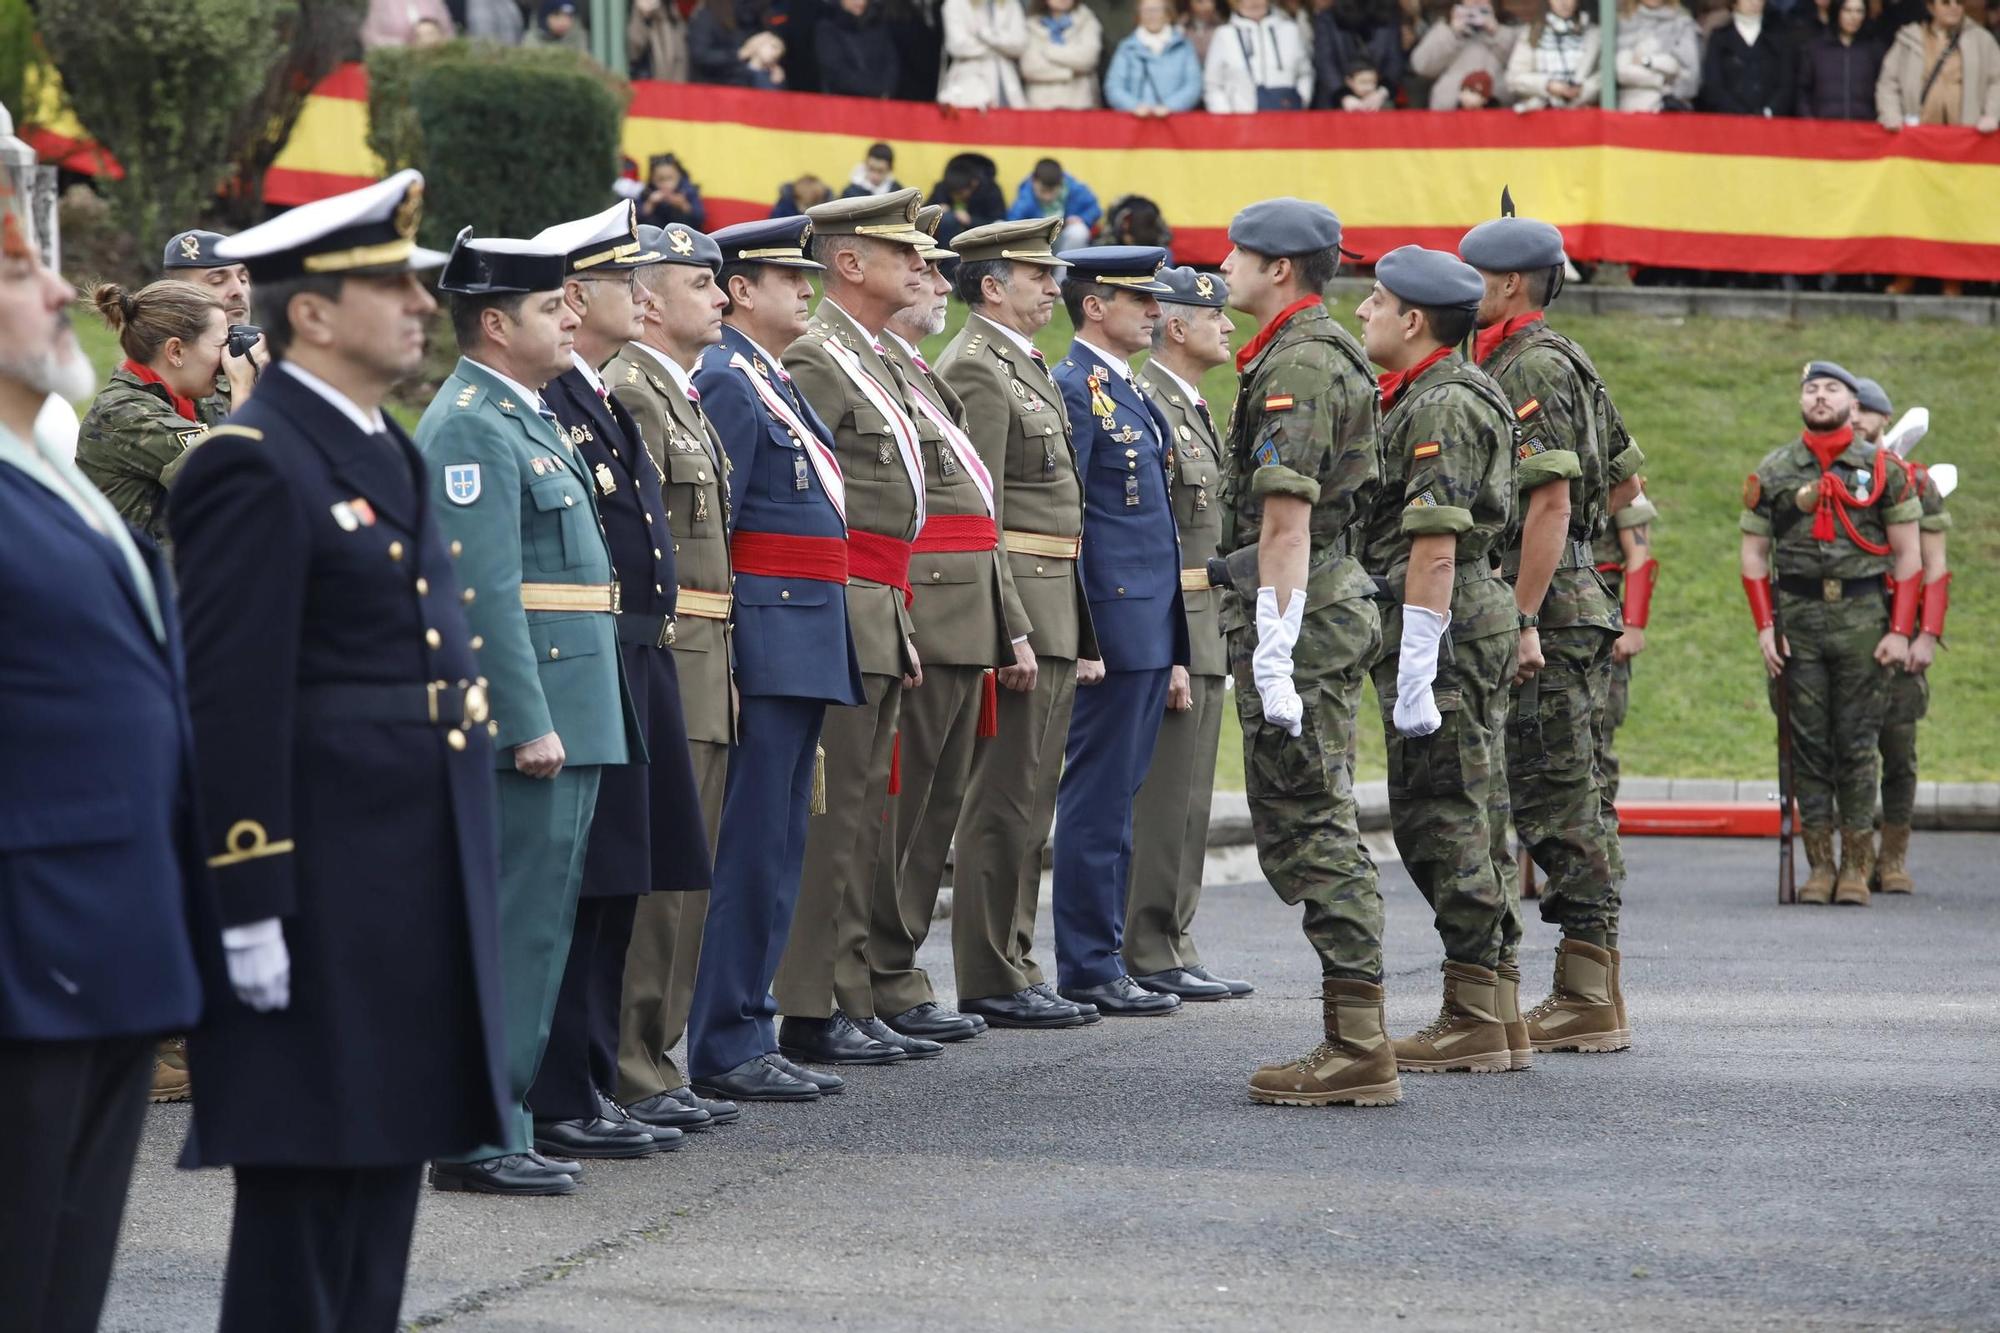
1828	446
1264	335
1393	382
1487	341
1834	497
146	375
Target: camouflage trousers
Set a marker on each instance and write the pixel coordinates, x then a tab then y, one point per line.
1610	717
1839	698
1448	803
1560	808
1909	701
1301	789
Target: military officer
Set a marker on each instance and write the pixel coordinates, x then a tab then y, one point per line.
1014	415
515	496
795	655
961	634
1825	518
346	783
1131	574
190	257
1433	535
1569	622
1301	472
646	835
681	315
1190	338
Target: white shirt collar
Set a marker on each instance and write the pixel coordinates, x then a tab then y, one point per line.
341	403
1194	394
590	375
1014	337
1106	357
674	372
529	396
760	350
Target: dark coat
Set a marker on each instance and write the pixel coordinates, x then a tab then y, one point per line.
647	833
1838	82
320	600
857	56
695	215
1744	80
1344	34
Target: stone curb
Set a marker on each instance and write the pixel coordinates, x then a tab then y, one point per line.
1728	303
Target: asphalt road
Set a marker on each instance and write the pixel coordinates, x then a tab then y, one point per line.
1802	1137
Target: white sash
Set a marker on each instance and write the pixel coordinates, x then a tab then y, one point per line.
961	444
823	461
900	425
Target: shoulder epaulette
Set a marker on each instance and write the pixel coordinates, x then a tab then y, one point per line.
468	394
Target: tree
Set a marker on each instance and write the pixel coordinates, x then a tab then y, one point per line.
311	40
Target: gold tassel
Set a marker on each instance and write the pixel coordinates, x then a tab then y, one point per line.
818	804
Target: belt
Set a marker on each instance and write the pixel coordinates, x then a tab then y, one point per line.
783	556
1832	590
437	703
703	605
570	597
956	532
1038	543
1195	580
1577	555
878	559
649	631
1616	567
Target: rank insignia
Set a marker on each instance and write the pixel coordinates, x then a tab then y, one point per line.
461	483
1527	409
1428	449
1753	491
606	483
1278	402
506	406
631	374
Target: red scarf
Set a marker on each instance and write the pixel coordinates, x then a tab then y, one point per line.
1269	331
1393	382
146	375
1828	446
1834	497
1487	341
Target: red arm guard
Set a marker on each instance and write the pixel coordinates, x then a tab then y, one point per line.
1903	595
1937	596
1639	593
1759	592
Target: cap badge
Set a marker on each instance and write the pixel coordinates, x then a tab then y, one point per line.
411	209
1204	286
190	247
680	242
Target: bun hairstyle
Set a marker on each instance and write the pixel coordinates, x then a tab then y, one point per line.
146	319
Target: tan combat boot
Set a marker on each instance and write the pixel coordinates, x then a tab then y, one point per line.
1354	1066
1818	887
170	1071
1467	1034
1520	1054
1580	1013
1857	860
1892	872
1618	995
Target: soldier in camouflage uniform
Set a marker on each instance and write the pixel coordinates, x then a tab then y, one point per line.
1833	516
1433	538
190	256
1569	623
1624	553
1300	468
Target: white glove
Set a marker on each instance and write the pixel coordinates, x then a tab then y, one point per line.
260	967
1416	667
1271	663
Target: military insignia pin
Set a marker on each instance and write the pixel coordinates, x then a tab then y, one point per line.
190	247
606	483
1204	286
461	483
679	241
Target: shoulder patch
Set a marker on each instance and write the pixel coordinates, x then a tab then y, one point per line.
1753	491
1267	453
1527	409
1428	449
189	438
1530	447
1424	500
1278	402
462	483
246	432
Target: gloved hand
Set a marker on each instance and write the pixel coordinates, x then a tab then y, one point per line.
1416	667
260	967
1271	663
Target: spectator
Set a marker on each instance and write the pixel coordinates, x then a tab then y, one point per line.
857	54
1944	72
795	197
1747	70
1136	220
1658	58
732	46
1351	33
1475	91
916	28
970	195
983	40
1557	62
1048	191
1362	89
1473	38
1838	69
427	32
556	24
657	41
394	22
875	174
497	21
1256	63
670	196
1155	71
1059	62
1204	19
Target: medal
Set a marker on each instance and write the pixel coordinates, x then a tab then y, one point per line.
606	483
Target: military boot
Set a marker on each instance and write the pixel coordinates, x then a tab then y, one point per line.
170	1071
1354	1066
1520	1054
1892	871
1857	859
1467	1034
1818	887
1580	1013
1618	994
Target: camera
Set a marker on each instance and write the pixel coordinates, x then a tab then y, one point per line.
242	337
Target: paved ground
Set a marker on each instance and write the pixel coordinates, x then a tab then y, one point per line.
1803	1137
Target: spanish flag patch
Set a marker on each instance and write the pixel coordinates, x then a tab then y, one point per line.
1278	402
1527	409
1430	449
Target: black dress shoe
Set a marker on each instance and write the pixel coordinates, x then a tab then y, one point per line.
1048	992
565	1165
666	1137
1025	1009
758	1080
1179	981
828	1084
667	1110
719	1112
914	1047
1235	987
933	1022
1121	997
593	1138
516	1173
834	1041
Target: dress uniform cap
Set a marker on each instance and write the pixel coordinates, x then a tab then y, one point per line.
1430	278
929	219
1133	267
1873	396
1830	370
1281	227
1512	245
1028	241
194	249
780	242
369	231
680	245
1192	288
490	265
886	217
606	242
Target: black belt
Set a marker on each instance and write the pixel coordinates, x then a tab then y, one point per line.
1832	590
1577	555
649	631
438	705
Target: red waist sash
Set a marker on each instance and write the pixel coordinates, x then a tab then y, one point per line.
879	559
957	532
779	555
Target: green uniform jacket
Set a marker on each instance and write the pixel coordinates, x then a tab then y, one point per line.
1771	509
514	499
1196	491
128	446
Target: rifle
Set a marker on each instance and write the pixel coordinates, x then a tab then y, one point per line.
1788	888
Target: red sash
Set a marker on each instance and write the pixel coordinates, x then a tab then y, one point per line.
823	559
879	559
957	532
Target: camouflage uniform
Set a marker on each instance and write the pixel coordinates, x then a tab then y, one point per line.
1909	693
129	445
1447	449
1304	426
1610	556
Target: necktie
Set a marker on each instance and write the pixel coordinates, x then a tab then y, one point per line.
694	395
918	357
543	412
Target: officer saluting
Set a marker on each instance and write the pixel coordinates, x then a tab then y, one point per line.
346	777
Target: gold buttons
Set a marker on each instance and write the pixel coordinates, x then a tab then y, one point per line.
467	596
434	639
423	587
455	739
478	642
395	550
554	653
649	517
1121	592
493	729
656	553
701	474
477	707
457	549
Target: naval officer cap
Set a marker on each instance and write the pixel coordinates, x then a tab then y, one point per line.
1512	245
606	242
1432	278
779	242
1192	288
1135	268
1873	396
367	232
929	219
1832	370
194	249
1283	227
888	217
1028	241
499	265
676	244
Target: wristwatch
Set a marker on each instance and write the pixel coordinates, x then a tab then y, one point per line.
1524	620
